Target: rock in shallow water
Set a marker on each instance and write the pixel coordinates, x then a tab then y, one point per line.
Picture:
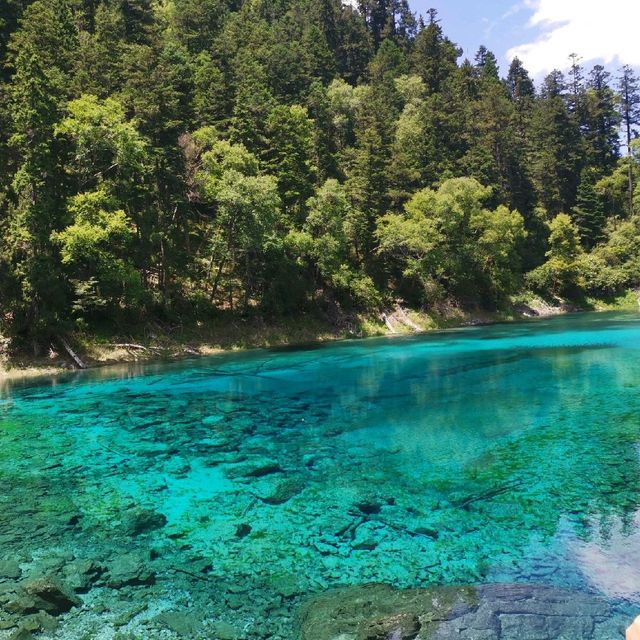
226	631
9	569
49	595
143	521
130	569
489	612
281	491
257	468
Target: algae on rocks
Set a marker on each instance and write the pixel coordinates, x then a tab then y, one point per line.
487	612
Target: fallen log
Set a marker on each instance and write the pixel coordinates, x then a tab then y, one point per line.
387	322
133	347
74	356
404	318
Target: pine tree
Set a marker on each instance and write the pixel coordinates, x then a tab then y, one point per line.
602	122
589	211
519	83
355	47
630	114
42	53
576	94
325	148
434	55
289	156
487	65
198	22
38	186
319	59
555	155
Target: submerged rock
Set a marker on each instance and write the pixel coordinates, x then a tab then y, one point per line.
404	626
34	623
427	532
130	569
21	634
488	612
255	469
283	491
366	544
186	624
49	595
143	521
81	574
9	569
225	631
369	507
286	585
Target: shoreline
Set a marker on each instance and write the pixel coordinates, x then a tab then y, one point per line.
222	338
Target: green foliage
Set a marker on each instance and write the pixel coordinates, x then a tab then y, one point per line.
245	231
561	273
614	265
221	158
107	146
163	158
448	241
94	248
290	154
326	242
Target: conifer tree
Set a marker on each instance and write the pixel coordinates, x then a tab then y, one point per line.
630	114
602	122
555	155
434	55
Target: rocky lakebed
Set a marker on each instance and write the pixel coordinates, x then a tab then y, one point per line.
480	484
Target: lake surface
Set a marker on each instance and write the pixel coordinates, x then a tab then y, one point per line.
210	498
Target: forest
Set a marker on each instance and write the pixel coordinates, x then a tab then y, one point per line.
178	159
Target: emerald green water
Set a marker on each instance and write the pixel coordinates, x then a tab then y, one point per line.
498	454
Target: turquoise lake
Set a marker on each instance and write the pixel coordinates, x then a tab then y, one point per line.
210	498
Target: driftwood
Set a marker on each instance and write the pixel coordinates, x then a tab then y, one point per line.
387	322
134	347
74	356
488	495
402	316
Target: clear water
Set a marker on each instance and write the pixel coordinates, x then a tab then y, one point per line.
497	454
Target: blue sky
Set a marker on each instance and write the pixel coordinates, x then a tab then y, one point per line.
543	33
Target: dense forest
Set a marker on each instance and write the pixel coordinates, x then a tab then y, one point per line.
183	158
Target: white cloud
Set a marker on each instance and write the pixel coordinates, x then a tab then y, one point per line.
593	30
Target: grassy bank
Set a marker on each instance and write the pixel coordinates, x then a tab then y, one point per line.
153	341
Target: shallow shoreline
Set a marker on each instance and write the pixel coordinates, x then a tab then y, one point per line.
300	331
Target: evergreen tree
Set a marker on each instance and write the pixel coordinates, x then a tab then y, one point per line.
289	156
198	22
630	114
434	55
589	212
602	123
40	301
519	83
576	94
325	147
487	65
42	57
555	153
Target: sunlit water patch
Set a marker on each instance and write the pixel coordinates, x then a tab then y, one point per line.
209	498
